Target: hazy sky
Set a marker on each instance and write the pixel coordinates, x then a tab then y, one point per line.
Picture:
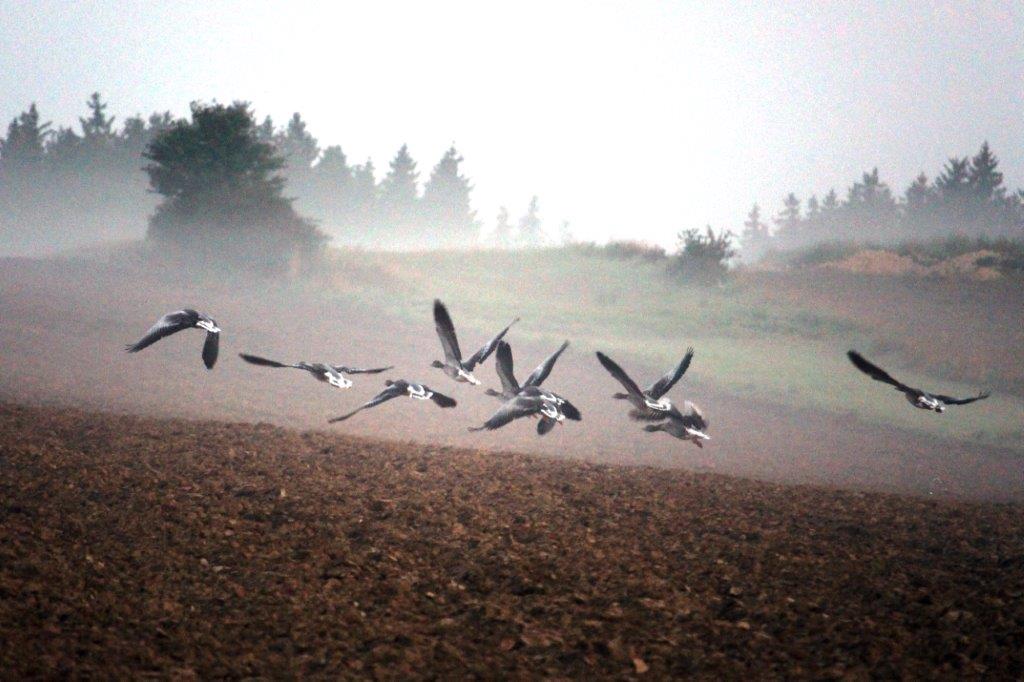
629	119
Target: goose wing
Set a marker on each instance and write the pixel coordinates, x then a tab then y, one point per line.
503	365
874	371
488	348
392	391
665	383
264	362
633	392
538	375
960	401
446	332
440	399
359	370
210	349
570	411
520	406
170	323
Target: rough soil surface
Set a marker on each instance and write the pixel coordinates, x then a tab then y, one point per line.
132	547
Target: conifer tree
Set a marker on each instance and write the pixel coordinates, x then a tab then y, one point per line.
398	199
446	205
502	229
228	204
530	226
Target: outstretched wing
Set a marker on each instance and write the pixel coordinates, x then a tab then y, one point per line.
210	349
441	400
960	401
665	383
168	324
488	348
446	332
520	406
359	370
387	394
503	365
874	371
262	362
538	375
633	392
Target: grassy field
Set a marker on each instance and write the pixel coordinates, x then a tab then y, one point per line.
752	340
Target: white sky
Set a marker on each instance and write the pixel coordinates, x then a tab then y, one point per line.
630	119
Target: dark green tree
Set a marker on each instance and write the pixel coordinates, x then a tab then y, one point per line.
789	220
97	128
222	193
703	257
26	140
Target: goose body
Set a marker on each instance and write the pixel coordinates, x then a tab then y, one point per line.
399	388
690	425
453	365
920	399
528	400
330	374
172	323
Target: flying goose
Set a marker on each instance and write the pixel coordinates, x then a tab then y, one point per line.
332	374
528	399
689	426
504	366
453	365
649	405
916	397
172	323
397	388
550	407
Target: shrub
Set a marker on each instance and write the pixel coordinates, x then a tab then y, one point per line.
703	256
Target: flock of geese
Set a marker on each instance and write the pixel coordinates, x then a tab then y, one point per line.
518	400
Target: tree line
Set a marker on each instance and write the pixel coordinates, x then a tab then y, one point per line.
88	183
968	197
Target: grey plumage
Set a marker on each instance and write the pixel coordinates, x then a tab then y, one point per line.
172	323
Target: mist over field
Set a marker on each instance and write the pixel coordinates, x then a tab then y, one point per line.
771	186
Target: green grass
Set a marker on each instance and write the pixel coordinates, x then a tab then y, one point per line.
770	351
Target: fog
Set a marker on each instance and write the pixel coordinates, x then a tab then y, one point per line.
536	163
626	119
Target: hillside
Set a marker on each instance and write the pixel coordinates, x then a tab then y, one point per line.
784	404
131	547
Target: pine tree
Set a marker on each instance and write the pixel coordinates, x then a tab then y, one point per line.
871	208
228	204
985	181
398	199
502	229
919	206
297	146
756	236
530	226
446	204
953	188
789	219
98	128
330	190
25	141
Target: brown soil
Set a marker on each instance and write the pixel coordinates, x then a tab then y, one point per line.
132	547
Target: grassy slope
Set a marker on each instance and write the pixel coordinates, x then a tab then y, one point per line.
748	343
